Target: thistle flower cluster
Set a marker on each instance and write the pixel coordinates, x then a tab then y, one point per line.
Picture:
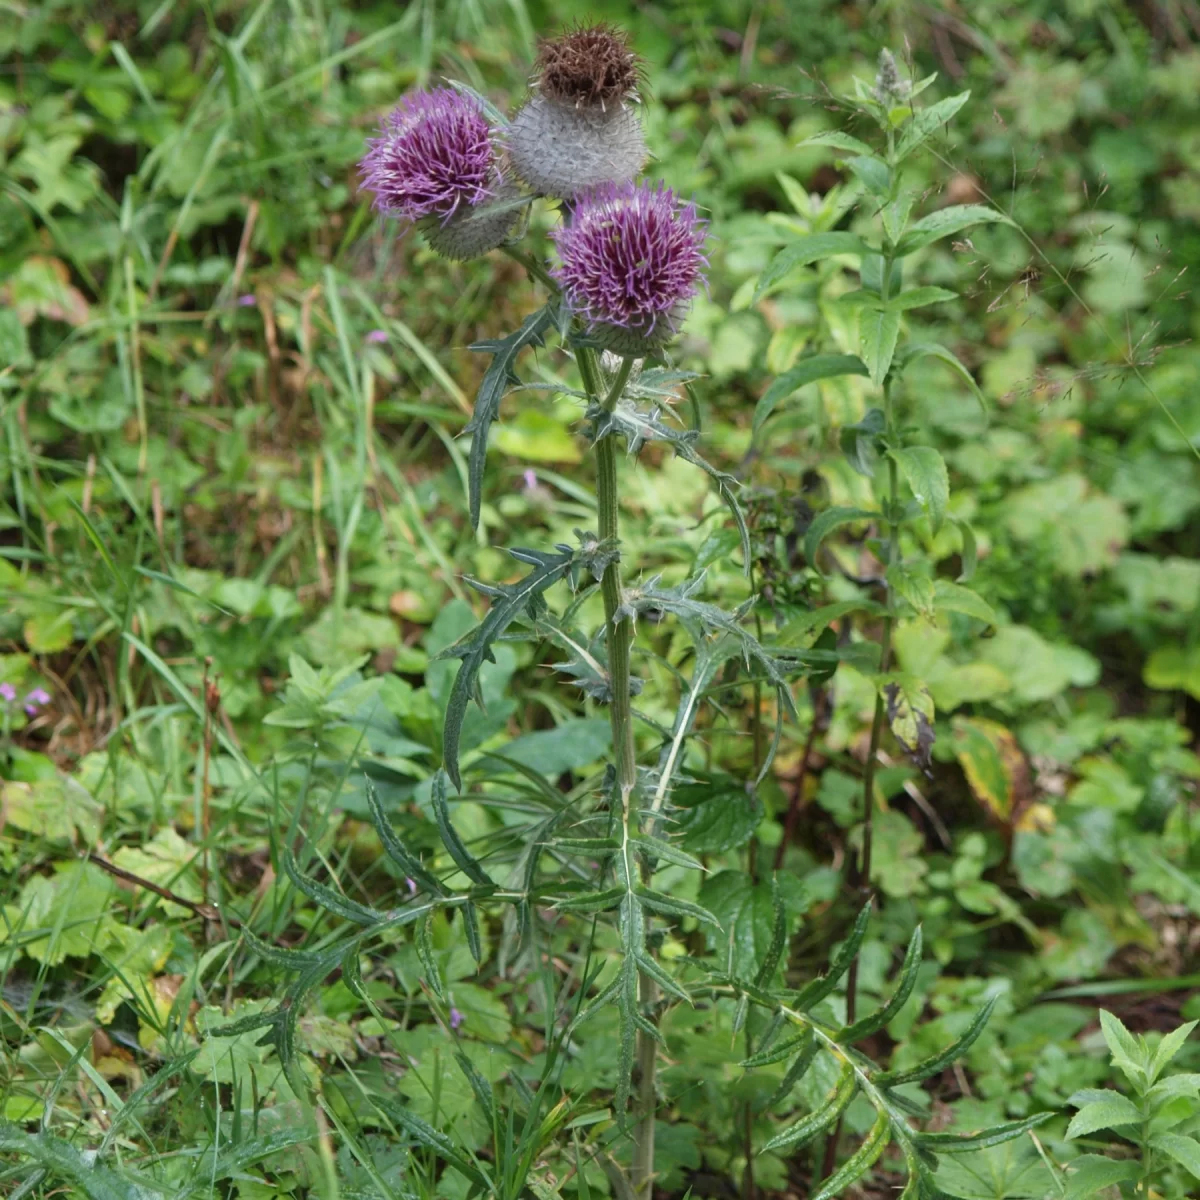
632	256
631	259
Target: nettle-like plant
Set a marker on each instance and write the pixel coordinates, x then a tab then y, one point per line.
630	257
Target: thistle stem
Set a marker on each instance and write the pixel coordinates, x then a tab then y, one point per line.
619	638
531	265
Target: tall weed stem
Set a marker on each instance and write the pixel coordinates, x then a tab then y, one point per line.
619	639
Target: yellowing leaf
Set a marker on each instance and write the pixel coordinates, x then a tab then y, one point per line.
992	762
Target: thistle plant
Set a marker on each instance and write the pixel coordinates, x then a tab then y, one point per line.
629	258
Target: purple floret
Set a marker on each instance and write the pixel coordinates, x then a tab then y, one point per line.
434	154
632	256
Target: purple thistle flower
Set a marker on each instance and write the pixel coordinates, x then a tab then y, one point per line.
8	693
632	258
434	154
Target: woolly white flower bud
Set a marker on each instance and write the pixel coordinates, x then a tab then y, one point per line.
559	149
580	129
470	232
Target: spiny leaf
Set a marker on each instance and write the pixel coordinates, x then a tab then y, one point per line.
593	902
764	1058
327	898
936	1063
882	1015
656	848
650	968
778	938
672	906
424	946
476	647
463	858
797	1071
425	1135
954	1143
835	1104
859	1163
701	618
818	989
496	381
638	428
396	849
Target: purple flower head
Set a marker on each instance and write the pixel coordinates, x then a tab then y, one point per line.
433	155
456	1018
247	301
632	258
35	699
8	693
376	336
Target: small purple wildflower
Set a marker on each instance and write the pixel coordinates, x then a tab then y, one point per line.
35	699
247	301
411	885
434	153
377	335
531	479
8	693
456	1018
632	257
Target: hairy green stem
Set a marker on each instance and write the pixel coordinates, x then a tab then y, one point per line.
531	265
619	638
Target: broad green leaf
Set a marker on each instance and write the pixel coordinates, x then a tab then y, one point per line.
837	140
1184	1150
1170	1046
947	221
826	522
1093	1173
1110	1113
927	122
810	248
878	330
872	172
953	597
913	586
924	471
713	814
919	297
1128	1051
992	761
914	350
807	370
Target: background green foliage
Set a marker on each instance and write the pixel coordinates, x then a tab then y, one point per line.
230	400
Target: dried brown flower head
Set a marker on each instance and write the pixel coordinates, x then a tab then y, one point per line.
589	65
